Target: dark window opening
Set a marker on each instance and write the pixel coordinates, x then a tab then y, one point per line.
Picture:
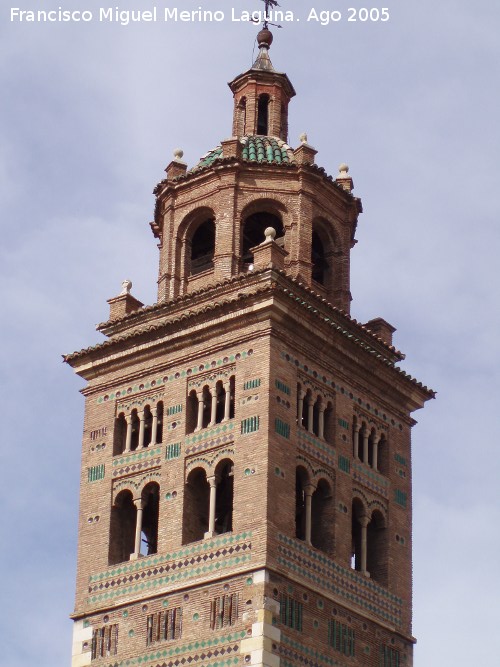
357	513
191	411
322	518
203	248
376	560
253	232
122	528
300	504
159	427
319	263
151	503
263	115
207	407
148	426
120	434
329	424
224	498
134	442
196	506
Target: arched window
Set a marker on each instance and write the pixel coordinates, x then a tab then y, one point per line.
323	253
122	528
196	506
357	513
203	247
376	557
150	503
253	233
159	425
329	423
301	480
135	430
383	455
263	114
224	497
322	518
120	434
148	426
191	411
319	265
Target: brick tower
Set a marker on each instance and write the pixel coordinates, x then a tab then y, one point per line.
246	467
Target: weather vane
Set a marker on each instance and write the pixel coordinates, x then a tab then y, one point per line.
269	5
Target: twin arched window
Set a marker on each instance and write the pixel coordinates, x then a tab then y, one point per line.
369	542
208	502
134	524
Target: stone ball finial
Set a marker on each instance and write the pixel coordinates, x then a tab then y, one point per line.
270	234
303	138
265	37
343	169
178	154
126	287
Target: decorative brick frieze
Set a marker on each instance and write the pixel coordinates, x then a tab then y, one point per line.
134	462
202	560
158	380
371	479
203	650
325	574
315	447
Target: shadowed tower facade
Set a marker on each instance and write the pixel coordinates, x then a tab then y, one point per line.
246	467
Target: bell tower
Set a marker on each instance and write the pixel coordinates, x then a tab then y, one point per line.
245	488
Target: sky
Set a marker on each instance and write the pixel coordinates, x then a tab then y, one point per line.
90	114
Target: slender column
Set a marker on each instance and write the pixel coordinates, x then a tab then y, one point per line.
154	425
141	430
376	440
310	414
138	530
300	407
366	436
321	421
128	438
213	409
199	425
364	521
211	511
308	492
357	428
227	401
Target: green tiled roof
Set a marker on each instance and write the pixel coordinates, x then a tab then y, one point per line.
255	149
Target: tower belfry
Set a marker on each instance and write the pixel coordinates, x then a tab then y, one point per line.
246	469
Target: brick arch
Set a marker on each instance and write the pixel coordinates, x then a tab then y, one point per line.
135	485
377	506
358	494
208	462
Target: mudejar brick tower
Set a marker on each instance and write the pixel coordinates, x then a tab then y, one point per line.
246	468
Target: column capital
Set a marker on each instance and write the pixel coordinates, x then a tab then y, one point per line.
364	520
139	503
309	489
